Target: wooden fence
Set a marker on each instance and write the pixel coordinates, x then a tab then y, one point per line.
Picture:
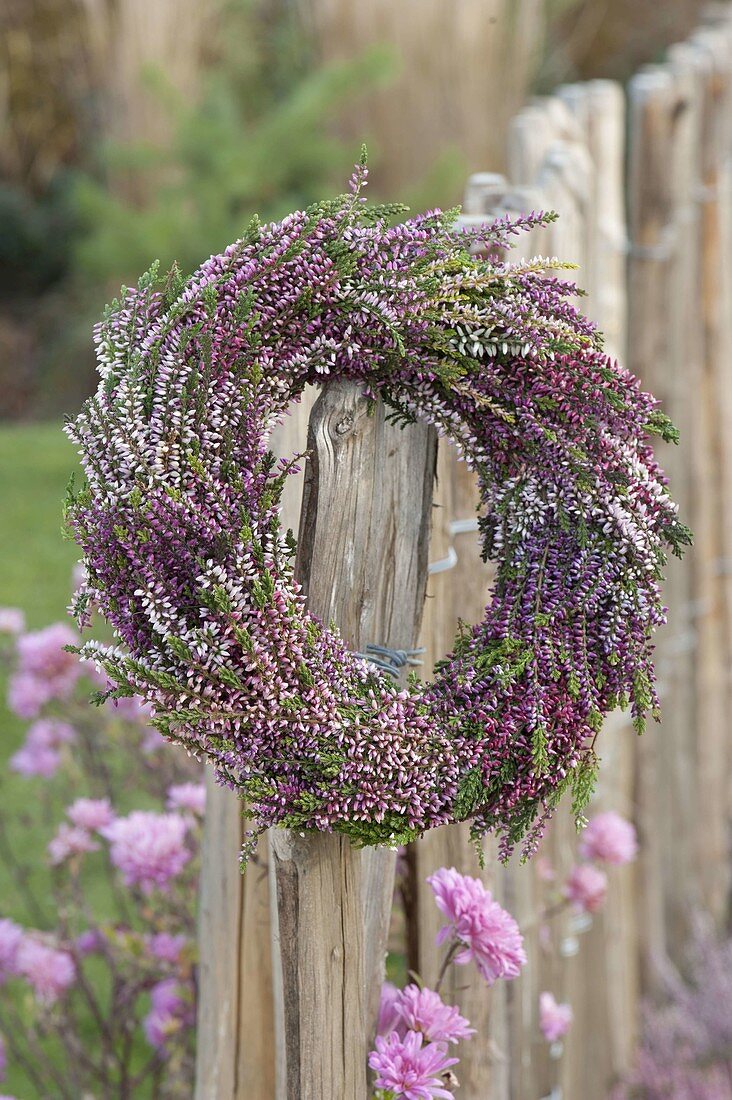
643	184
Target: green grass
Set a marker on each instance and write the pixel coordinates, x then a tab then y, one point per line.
36	462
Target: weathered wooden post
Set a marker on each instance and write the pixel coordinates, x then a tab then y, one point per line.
235	1051
362	559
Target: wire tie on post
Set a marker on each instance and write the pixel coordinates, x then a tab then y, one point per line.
391	660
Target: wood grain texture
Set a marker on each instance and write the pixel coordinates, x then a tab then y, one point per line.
362	560
236	1049
712	500
432	105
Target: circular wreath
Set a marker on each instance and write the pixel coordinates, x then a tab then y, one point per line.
186	559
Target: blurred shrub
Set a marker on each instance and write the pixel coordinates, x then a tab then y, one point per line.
261	139
35	239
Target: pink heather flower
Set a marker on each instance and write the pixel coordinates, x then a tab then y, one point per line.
187	796
609	837
45	670
410	1070
424	1010
92	814
554	1019
165	947
586	887
11	937
489	935
388	1011
48	970
30	762
148	848
12	620
70	840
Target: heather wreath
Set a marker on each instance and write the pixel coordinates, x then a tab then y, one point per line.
185	556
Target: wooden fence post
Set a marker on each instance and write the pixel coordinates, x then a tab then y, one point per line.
235	1057
711	499
362	559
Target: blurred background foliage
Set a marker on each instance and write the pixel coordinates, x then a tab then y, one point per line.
132	130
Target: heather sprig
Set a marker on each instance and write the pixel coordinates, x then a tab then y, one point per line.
184	554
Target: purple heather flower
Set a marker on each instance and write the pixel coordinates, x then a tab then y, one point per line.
49	971
187	796
610	838
409	1070
148	848
486	932
424	1010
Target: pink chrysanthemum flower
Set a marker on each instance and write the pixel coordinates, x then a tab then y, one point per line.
410	1070
32	762
488	934
48	970
12	620
45	669
148	848
554	1019
11	937
50	733
610	838
388	1011
70	840
92	814
187	796
39	754
424	1010
586	887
